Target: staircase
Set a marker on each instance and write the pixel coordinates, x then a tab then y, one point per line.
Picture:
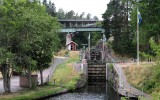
96	68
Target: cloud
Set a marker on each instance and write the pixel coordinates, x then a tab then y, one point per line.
94	7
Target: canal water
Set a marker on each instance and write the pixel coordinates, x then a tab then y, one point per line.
100	91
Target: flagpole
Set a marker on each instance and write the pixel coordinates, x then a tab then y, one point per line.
137	36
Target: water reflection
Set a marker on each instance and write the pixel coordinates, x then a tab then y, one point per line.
90	92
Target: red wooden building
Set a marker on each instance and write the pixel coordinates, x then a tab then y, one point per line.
71	46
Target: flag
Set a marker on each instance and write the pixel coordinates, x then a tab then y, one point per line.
139	18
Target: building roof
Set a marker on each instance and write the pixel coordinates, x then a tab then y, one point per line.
71	42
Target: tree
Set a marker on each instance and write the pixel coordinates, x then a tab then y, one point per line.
70	15
41	37
116	23
46	44
45	2
76	16
150	24
88	16
95	18
82	15
50	8
7	28
23	25
61	14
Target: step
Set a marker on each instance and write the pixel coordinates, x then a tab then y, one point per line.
97	65
90	81
96	68
102	72
97	75
95	71
96	83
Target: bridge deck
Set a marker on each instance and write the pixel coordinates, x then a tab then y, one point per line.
82	29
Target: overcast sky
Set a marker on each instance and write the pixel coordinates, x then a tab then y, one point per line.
94	7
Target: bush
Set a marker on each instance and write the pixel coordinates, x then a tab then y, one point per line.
153	81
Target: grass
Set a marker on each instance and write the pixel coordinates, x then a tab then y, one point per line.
64	72
28	94
61	53
136	76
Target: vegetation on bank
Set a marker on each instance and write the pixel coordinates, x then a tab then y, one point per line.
64	72
145	77
29	94
28	38
120	21
65	75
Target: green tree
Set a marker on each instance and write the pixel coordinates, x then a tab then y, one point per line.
61	14
95	18
116	23
50	8
7	24
26	29
88	16
70	15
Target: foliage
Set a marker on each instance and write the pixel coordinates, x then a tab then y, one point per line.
152	82
61	14
50	8
116	23
95	38
28	33
110	66
145	76
80	38
150	24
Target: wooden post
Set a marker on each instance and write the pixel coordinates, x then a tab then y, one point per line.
54	82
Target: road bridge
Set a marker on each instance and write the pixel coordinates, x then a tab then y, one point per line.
71	26
80	25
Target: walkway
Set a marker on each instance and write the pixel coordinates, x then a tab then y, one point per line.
48	72
124	87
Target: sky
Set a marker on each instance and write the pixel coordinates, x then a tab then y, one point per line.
94	7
